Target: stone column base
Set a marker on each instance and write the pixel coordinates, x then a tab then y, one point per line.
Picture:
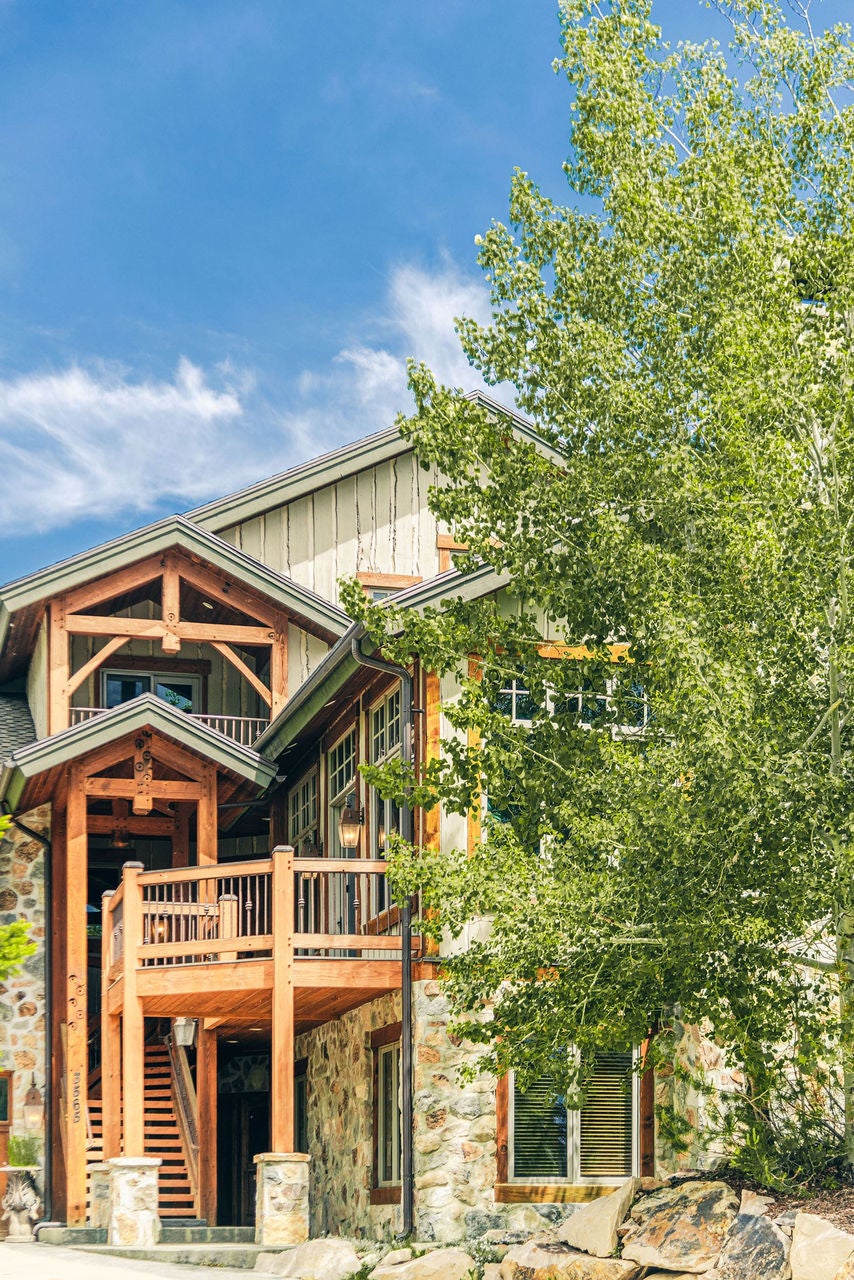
134	1217
99	1195
281	1198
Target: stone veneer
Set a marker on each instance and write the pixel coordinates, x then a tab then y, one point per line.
22	997
454	1141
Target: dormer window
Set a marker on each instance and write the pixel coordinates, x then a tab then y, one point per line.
179	690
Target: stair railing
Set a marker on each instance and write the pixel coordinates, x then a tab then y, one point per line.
186	1110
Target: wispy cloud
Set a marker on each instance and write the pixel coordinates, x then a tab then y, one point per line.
92	441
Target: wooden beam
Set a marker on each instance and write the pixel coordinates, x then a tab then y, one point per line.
93	624
207	847
133	1021
82	624
206	1094
136	575
282	1063
76	1034
74	682
181	842
112	753
102	824
170	610
111	1056
231	594
207	632
279	668
57	667
246	671
126	788
177	758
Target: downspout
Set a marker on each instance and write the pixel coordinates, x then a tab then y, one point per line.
48	1008
407	832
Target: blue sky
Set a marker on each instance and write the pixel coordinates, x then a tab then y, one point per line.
225	224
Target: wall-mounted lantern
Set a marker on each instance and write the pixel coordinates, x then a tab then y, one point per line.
33	1107
185	1032
350	821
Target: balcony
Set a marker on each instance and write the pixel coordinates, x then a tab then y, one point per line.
215	941
241	729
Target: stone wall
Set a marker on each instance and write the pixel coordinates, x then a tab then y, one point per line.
454	1142
22	997
692	1089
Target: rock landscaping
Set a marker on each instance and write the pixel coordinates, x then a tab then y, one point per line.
644	1230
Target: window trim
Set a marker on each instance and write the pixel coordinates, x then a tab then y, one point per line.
520	1191
383	1039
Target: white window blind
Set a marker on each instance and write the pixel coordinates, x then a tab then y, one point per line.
596	1143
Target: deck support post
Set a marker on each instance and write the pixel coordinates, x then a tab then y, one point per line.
76	1031
282	1066
281	1198
206	1095
133	1021
111	1056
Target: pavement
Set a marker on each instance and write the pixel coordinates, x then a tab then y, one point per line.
55	1262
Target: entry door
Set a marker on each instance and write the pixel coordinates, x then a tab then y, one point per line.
243	1131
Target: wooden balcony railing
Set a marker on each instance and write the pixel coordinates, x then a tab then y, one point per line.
339	908
242	729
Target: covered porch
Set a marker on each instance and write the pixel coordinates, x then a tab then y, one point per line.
275	946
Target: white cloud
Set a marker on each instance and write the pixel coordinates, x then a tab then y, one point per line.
366	387
89	443
92	442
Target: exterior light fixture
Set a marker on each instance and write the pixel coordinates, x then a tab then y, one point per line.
33	1107
350	822
185	1032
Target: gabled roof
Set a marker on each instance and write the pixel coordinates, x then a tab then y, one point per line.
27	594
146	711
331	467
339	665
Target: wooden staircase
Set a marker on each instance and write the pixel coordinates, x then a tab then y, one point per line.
162	1134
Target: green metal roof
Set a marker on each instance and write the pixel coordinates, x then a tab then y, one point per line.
174	531
145	711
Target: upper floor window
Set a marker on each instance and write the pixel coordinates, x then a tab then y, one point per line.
302	818
625	706
598	1143
181	691
341	782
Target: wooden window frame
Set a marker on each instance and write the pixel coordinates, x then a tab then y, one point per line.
378	1040
513	1192
200	667
5	1125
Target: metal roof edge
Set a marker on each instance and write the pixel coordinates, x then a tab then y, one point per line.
338	657
99	561
128	716
300	480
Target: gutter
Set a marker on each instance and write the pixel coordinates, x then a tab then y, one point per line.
406	831
48	1007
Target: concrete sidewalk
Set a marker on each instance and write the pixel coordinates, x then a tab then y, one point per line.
53	1262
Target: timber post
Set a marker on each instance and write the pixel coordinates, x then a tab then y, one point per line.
111	1080
282	1074
133	1022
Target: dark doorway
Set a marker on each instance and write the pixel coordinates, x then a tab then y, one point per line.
243	1130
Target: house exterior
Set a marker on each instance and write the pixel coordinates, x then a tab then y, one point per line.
182	715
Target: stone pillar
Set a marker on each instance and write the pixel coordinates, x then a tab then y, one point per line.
134	1218
99	1195
281	1198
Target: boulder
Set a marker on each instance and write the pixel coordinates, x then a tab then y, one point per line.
326	1259
818	1249
681	1228
752	1202
593	1227
556	1261
755	1249
439	1264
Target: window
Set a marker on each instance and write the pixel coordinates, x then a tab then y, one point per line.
301	1107
302	823
385	1044
547	1143
341	778
181	691
385	814
515	702
589	703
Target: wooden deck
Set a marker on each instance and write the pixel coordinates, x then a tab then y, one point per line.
287	943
